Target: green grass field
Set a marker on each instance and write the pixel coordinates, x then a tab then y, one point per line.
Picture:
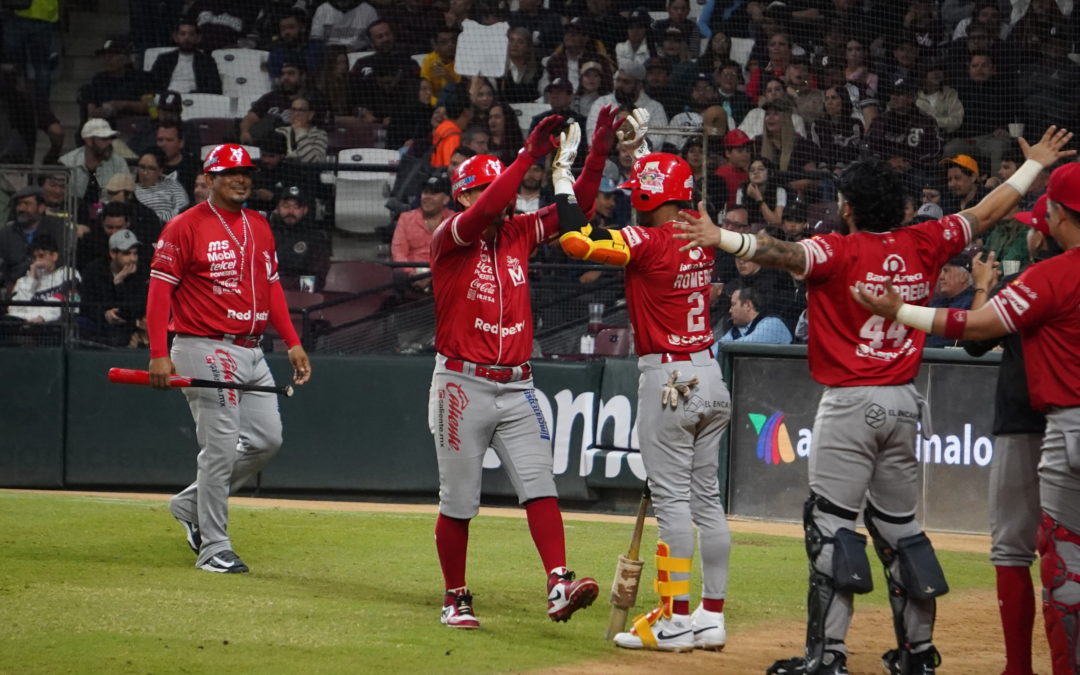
92	585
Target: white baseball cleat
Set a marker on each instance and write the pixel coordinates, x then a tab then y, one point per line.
661	634
457	611
708	629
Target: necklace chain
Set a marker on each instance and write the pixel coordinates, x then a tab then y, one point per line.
241	246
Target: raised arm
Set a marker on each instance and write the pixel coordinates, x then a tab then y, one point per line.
996	205
588	183
700	230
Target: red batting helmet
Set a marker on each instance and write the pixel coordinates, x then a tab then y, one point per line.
476	171
660	177
227	156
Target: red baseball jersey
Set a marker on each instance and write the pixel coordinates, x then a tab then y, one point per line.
667	291
222	274
483	308
848	345
1043	305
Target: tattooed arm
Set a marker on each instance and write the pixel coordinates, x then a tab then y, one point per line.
699	230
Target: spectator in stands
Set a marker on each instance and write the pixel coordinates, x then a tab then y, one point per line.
27	43
94	245
776	291
222	23
702	96
118	88
705	182
273	174
303	248
543	25
986	14
477	139
793	225
45	280
30	222
931	193
856	69
164	196
674	48
482	97
907	139
612	206
532	195
576	49
903	60
94	162
753	124
1010	162
412	236
1007	239
978	41
143	221
561	98
718	51
954	290
459	155
113	297
201	191
520	82
809	101
939	101
505	139
838	134
988	108
438	65
414	22
727	76
179	165
344	22
779	49
965	188
593	83
272	109
678	17
928	211
750	324
292	43
333	82
447	135
736	219
54	193
780	143
737	147
762	195
456	12
304	142
636	47
1049	85
605	26
659	88
188	69
629	94
383	80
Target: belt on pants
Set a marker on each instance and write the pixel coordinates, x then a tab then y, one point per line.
672	357
238	340
493	373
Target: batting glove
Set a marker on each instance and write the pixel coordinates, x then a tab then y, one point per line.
561	177
671	391
632	133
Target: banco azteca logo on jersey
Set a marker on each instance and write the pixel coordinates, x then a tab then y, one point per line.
894	264
774	443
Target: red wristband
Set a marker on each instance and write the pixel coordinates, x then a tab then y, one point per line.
955	322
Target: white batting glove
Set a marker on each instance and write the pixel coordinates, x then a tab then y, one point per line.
670	392
565	154
633	140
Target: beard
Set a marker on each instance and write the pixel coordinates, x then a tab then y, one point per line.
623	99
25	220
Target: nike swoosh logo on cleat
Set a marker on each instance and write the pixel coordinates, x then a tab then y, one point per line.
702	630
670	636
223	563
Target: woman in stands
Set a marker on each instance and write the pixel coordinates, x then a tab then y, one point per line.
838	134
164	196
333	80
520	82
762	195
593	83
304	141
505	131
717	52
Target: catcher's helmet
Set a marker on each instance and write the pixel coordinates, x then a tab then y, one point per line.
660	177
476	171
227	156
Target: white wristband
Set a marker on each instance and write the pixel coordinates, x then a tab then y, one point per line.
916	317
1023	177
739	244
642	149
563	182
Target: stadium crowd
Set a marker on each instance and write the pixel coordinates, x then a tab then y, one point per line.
766	101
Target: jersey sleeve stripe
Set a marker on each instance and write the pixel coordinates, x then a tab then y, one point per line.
538	223
158	274
997	302
966	226
812	249
453	231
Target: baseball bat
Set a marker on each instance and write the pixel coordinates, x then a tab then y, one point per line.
142	377
624	587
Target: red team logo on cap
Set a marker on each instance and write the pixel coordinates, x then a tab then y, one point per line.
650	178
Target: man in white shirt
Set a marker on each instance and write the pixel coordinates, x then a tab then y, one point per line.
187	69
629	91
343	22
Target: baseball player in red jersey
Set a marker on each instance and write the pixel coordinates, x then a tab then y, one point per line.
214	283
864	433
482	389
683	404
1043	306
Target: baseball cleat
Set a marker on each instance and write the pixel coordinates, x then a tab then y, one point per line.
566	596
659	633
457	611
194	539
225	562
832	663
921	663
708	629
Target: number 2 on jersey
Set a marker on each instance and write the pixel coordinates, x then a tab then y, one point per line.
874	331
695	320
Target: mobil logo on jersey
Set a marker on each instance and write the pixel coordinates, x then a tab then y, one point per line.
774	441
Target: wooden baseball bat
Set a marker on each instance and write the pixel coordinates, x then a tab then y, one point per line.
142	377
624	587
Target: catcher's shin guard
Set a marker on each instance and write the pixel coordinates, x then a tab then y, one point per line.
848	572
1062	619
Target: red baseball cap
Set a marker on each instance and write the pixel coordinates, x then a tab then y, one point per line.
735	138
1064	186
1036	217
226	157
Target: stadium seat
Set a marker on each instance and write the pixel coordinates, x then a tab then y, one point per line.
360	197
419	58
613	342
215	130
350	132
526	111
356	56
197	106
243	72
151	55
296	299
354	276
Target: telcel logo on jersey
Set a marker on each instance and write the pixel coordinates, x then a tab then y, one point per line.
774	444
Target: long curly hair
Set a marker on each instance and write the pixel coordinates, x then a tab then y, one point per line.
875	192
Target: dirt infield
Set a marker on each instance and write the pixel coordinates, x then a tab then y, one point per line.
968	632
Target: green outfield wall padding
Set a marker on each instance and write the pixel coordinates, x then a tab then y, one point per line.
32	404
